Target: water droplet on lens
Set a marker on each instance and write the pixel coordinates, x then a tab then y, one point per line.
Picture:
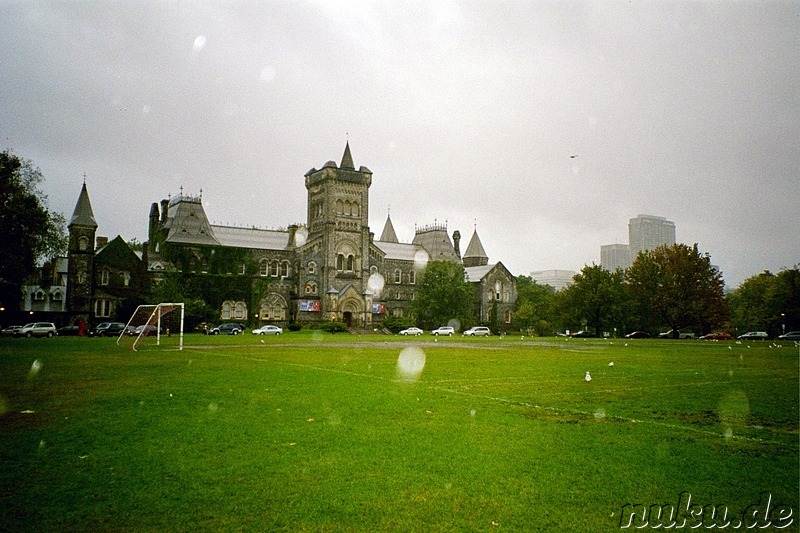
410	363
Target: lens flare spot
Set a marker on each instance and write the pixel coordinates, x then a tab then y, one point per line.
300	236
376	283
410	363
199	43
421	259
36	366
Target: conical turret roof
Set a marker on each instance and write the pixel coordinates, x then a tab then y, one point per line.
475	254
347	159
388	234
83	214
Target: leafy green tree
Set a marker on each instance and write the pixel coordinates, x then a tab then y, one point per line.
534	306
678	286
31	233
767	302
595	300
443	294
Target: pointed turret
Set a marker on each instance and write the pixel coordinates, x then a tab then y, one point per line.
347	159
475	254
388	234
83	214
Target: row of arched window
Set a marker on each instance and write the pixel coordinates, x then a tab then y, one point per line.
348	208
274	268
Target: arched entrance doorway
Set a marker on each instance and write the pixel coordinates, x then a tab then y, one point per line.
347	318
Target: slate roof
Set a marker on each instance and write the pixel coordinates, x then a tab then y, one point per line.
475	247
83	214
400	251
388	234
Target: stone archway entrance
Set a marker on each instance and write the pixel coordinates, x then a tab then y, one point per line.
347	318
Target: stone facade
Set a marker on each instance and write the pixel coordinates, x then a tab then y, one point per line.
329	269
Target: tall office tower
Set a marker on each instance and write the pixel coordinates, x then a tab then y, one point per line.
615	257
558	279
647	232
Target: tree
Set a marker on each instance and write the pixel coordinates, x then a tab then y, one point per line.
443	294
31	233
595	300
534	306
678	286
767	302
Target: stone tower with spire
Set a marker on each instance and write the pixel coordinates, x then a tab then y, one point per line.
338	229
82	230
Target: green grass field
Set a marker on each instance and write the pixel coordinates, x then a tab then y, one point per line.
312	431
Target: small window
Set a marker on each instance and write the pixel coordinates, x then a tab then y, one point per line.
263	268
102	308
351	263
398	276
273	269
104	277
340	262
38	295
285	269
312	267
412	277
126	279
83	244
58	296
242	269
507	316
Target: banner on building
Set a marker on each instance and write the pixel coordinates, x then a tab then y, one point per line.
378	309
310	305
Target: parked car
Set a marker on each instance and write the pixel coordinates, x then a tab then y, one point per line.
268	330
69	331
790	336
144	330
109	329
444	330
11	330
637	335
681	335
581	333
753	336
38	329
412	331
477	331
230	328
718	336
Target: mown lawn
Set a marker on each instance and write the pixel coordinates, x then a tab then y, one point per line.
320	432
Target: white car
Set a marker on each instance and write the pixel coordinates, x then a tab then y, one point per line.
268	330
411	331
477	331
37	329
444	330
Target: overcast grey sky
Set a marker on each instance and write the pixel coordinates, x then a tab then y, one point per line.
466	112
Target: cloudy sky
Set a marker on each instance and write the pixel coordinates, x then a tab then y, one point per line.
546	125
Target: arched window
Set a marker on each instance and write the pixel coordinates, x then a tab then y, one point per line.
273	308
398	276
263	267
285	269
83	243
339	207
412	277
350	263
312	267
340	262
104	277
273	268
38	295
507	316
311	287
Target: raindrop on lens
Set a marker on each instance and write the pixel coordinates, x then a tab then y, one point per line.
421	259
199	43
35	367
376	283
410	363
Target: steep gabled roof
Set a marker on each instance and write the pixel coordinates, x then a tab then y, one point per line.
83	214
388	234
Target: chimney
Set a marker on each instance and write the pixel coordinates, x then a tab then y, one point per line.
456	243
101	241
164	209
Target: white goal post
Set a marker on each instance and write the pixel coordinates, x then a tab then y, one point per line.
154	321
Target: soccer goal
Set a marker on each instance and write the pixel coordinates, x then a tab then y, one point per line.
154	325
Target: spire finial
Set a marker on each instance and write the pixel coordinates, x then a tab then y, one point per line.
84	178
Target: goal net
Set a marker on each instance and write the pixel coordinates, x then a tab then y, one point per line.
155	325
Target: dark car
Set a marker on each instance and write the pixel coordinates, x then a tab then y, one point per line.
754	336
230	328
637	335
109	329
790	336
717	337
69	331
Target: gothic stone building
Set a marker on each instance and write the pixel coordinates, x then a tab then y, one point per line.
329	269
